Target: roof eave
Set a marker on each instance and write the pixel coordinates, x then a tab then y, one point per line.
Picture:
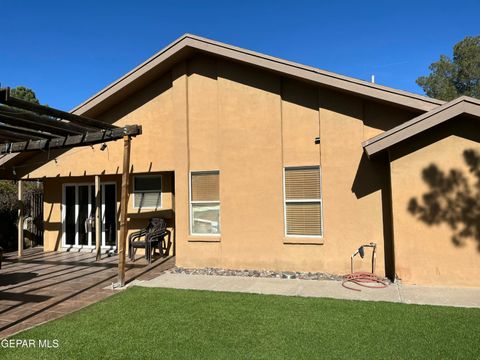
184	45
419	124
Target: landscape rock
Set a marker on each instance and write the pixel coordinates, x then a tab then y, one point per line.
257	273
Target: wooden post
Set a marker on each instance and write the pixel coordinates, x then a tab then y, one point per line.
123	210
20	218
98	219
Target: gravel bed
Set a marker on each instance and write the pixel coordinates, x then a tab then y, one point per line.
257	273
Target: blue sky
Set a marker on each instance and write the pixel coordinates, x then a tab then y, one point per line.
68	50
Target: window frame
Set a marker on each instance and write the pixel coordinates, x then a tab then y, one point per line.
191	203
285	201
147	191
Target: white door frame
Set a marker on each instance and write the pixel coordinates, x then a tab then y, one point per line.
89	211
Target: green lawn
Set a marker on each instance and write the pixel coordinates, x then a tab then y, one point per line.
143	323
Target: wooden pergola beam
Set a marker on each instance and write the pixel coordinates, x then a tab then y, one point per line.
45	128
20	218
98	219
90	138
9	136
5	139
122	243
28	132
6	99
36	122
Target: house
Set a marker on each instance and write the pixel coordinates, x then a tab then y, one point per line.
228	155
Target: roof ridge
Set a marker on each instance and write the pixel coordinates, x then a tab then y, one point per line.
293	69
316	69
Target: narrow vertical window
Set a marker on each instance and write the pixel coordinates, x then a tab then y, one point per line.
303	201
205	203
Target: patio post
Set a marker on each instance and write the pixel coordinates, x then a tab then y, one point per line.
123	210
20	217
98	220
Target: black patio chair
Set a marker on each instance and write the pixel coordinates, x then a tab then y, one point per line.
150	238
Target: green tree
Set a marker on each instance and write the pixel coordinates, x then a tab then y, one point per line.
24	93
8	188
8	196
451	78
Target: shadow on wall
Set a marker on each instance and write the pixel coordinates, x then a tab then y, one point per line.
452	200
373	176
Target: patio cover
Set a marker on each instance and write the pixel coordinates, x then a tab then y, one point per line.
26	127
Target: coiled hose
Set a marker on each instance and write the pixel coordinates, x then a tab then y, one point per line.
364	279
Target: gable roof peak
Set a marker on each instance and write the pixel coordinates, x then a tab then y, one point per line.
188	43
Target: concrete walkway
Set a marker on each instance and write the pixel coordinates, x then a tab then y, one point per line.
408	294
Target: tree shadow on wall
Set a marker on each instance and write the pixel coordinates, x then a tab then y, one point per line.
452	200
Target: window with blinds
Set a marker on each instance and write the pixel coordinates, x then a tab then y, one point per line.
147	191
205	203
303	201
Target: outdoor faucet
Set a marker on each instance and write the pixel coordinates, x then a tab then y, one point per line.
361	252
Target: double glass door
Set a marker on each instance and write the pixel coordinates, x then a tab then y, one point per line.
79	215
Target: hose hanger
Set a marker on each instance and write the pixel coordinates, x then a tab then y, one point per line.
363	279
361	251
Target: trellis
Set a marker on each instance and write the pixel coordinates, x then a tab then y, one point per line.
26	127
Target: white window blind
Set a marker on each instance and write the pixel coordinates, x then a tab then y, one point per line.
205	203
205	187
303	201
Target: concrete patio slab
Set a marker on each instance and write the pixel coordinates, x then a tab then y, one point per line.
408	294
40	287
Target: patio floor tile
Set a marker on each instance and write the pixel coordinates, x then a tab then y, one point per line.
40	287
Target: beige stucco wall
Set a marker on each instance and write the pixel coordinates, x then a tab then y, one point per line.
250	125
152	108
425	253
210	114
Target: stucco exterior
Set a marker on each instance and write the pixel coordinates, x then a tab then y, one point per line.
202	112
212	114
425	252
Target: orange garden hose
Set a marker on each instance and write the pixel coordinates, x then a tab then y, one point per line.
364	279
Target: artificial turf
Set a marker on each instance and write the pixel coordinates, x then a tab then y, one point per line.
149	323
